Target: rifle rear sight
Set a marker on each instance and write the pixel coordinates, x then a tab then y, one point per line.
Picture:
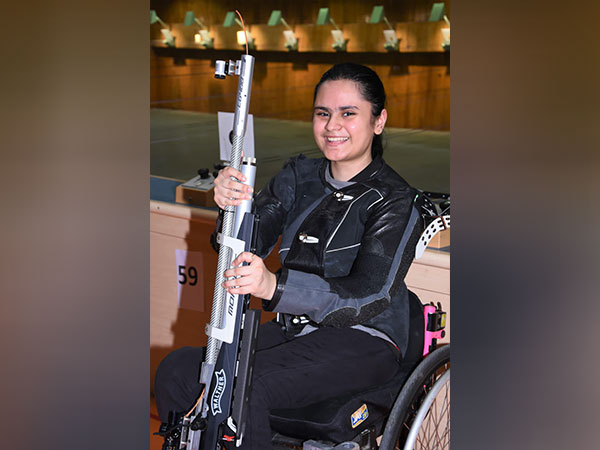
223	68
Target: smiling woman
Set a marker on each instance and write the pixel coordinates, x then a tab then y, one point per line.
348	225
344	127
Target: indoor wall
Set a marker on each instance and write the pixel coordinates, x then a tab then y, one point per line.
417	82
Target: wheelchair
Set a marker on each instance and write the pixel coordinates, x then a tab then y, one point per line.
412	411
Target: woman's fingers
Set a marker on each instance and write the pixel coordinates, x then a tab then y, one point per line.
240	285
243	276
244	257
239	290
253	278
230	191
238	270
243	271
232	179
231	172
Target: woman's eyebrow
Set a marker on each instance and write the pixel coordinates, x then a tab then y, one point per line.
341	108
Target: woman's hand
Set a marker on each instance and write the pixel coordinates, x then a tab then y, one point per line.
228	191
254	279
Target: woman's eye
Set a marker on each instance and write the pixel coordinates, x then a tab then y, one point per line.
321	114
348	113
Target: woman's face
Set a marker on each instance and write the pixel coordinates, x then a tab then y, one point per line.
343	124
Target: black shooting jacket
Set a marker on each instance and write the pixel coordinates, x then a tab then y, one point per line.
344	252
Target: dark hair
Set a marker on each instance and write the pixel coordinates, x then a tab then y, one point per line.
370	87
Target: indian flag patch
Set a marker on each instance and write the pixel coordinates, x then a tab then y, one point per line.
359	416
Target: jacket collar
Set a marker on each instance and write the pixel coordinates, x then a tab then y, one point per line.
368	172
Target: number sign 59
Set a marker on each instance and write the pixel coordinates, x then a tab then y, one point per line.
187	277
190	282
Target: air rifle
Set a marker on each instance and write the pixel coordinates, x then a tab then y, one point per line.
218	419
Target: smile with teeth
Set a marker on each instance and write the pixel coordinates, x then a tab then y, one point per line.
336	139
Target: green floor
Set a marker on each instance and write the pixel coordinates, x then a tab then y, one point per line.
181	142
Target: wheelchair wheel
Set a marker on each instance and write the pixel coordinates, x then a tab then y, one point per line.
420	417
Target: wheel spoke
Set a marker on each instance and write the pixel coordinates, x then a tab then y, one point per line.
434	432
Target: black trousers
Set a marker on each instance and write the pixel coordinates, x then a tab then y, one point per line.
288	372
